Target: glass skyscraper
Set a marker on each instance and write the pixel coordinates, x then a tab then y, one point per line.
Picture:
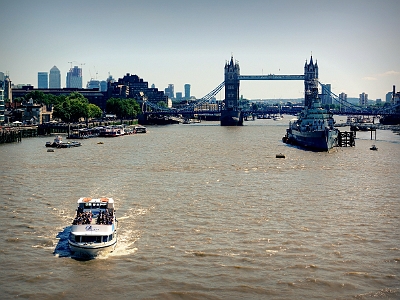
2	107
43	80
187	91
55	78
74	78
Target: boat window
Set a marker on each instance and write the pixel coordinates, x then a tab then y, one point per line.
73	238
98	239
89	239
110	237
104	238
88	205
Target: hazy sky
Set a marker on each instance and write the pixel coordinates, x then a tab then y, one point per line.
356	42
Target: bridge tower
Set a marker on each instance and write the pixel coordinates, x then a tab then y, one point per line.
310	82
231	114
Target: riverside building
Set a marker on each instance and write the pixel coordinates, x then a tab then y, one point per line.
132	86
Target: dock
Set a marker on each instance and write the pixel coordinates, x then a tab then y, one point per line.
10	135
346	139
15	134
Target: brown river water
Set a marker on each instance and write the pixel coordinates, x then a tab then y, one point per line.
205	212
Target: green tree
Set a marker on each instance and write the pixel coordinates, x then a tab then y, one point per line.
123	108
37	97
94	111
162	104
74	107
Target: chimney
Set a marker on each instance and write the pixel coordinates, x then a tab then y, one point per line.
394	93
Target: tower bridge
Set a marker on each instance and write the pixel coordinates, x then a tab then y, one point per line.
231	112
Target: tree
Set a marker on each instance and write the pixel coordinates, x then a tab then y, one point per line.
37	97
123	108
74	107
94	111
162	104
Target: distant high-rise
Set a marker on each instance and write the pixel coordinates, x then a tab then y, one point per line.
2	107
343	97
74	78
326	97
342	100
169	91
43	80
103	86
5	85
93	84
55	78
363	100
187	91
395	96
388	97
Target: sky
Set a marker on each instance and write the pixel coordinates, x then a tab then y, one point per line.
356	42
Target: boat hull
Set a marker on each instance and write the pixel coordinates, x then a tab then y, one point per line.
231	118
91	250
323	140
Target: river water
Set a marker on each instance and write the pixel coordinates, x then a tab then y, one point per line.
205	212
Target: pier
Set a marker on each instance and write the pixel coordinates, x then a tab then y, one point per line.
346	139
15	134
10	135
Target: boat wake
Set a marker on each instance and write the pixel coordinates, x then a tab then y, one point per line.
62	248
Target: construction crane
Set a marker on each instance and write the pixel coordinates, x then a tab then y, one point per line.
74	61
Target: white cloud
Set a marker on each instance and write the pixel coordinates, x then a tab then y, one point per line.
370	78
390	73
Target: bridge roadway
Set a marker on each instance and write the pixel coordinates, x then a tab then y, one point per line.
271	77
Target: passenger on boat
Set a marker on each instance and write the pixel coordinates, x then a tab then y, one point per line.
105	218
82	218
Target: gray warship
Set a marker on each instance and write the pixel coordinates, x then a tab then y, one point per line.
314	127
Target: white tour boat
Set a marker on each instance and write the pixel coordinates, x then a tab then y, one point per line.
94	229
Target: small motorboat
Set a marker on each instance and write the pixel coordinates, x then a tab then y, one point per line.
58	143
140	129
373	147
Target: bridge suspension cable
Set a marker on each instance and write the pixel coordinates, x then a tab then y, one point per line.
204	99
338	99
357	108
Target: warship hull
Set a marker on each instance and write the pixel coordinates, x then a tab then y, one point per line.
231	118
323	140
